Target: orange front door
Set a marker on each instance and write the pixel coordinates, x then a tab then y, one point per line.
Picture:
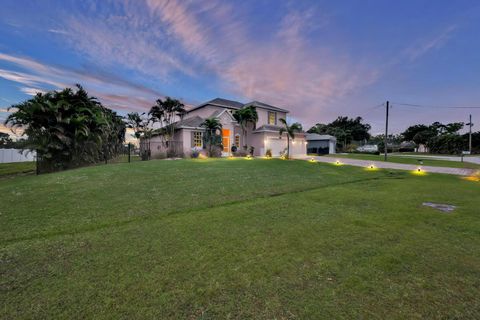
226	140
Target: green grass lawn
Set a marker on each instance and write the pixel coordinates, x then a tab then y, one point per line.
16	168
238	239
409	160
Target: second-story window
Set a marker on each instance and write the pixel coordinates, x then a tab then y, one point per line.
272	118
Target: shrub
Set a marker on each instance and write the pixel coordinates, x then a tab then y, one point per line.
194	154
252	149
268	153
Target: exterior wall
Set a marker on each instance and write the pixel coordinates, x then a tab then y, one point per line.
263	116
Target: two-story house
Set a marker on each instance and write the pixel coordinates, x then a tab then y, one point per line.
189	132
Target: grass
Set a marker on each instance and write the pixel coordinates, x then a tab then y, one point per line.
410	160
16	168
219	239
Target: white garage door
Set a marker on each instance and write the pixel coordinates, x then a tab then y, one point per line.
276	145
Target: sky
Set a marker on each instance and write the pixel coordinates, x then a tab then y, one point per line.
318	59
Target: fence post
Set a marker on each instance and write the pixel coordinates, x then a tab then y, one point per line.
37	170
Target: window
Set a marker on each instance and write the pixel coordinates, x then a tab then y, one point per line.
272	118
237	140
197	139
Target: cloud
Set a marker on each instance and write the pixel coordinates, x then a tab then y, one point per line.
109	88
31	91
58	31
214	42
421	48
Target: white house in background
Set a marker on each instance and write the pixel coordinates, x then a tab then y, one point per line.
189	132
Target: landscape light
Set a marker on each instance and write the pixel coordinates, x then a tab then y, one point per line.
337	163
419	172
371	167
248	157
312	160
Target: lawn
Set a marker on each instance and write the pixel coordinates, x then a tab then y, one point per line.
409	160
16	168
238	239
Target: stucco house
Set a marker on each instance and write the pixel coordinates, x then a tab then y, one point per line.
189	132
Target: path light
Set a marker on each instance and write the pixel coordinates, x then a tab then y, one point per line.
371	167
338	163
312	160
419	172
474	177
248	157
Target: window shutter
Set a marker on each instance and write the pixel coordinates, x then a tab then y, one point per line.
191	139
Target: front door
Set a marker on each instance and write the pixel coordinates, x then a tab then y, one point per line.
226	140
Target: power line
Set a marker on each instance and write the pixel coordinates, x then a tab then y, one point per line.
429	106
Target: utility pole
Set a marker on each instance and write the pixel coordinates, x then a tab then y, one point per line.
470	124
386	129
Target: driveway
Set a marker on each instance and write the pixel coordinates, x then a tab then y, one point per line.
470	159
392	165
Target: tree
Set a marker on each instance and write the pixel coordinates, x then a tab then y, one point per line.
290	130
67	128
5	140
344	129
167	112
411	131
212	138
245	117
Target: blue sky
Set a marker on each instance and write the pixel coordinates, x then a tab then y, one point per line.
319	59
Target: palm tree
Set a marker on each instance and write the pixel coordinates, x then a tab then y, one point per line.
212	126
290	130
68	128
244	117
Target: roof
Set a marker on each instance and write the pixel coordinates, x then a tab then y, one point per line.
230	104
193	122
268	127
316	136
265	106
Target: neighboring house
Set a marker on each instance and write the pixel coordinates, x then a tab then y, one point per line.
320	143
189	132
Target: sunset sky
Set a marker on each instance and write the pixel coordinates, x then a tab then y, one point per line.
319	59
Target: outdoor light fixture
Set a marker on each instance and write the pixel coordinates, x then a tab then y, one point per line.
248	157
312	160
337	163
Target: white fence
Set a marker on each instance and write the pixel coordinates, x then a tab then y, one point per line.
16	155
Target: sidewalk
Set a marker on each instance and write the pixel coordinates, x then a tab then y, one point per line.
391	165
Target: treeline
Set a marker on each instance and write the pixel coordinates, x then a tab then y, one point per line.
67	129
436	138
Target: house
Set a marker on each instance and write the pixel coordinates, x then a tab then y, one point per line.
189	132
320	143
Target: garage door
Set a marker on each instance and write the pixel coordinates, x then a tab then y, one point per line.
277	146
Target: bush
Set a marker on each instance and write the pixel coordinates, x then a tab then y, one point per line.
268	153
194	154
252	149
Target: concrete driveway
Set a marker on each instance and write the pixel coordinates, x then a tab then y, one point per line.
392	165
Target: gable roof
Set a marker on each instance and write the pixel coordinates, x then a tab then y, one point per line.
235	105
193	122
219	102
265	106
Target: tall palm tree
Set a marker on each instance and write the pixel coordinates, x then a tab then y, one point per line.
290	130
244	117
212	126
